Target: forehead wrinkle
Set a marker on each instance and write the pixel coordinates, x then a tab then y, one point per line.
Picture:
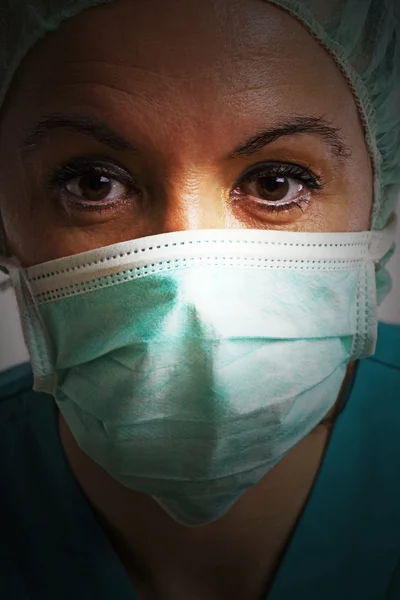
259	80
260	74
227	37
112	64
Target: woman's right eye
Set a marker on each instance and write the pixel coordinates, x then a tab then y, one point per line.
96	188
92	185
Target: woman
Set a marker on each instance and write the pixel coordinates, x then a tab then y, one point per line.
197	200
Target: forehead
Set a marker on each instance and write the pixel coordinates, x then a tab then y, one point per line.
234	63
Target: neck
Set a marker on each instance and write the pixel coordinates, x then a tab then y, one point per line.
234	557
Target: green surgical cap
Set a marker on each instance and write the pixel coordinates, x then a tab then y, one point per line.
361	35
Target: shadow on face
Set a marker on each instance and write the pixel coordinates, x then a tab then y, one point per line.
138	118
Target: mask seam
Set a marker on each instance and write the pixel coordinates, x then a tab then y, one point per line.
354	348
363	242
141	272
366	319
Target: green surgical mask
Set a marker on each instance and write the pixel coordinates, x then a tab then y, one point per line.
188	364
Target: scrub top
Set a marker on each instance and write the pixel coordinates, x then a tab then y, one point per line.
346	545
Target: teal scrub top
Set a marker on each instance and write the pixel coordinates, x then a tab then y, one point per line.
346	545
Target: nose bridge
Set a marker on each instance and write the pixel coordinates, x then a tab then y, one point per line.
193	199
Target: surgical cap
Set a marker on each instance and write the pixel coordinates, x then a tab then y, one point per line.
361	35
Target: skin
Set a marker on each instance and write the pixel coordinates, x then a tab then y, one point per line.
185	89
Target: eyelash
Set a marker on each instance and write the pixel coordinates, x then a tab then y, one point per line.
80	167
305	175
64	174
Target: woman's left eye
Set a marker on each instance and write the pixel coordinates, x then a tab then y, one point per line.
277	187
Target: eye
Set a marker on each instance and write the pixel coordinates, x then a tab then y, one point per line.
277	187
95	188
92	185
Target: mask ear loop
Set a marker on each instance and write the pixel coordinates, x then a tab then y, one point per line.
383	241
34	329
3	243
36	337
7	262
5	285
4	260
380	247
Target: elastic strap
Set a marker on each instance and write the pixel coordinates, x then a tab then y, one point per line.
3	250
382	241
8	264
36	335
3	245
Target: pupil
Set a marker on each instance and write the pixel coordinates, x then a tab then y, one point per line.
273	188
95	187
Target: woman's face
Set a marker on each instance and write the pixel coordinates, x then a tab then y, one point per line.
143	117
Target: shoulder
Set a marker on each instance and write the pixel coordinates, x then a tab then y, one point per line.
378	378
15	381
21	408
388	346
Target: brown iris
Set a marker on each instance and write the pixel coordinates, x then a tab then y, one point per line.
273	188
93	188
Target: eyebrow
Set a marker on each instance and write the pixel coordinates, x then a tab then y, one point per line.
295	126
98	130
90	126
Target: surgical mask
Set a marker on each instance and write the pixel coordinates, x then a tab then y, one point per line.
188	364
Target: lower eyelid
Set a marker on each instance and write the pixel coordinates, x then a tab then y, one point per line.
298	203
79	206
280	205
